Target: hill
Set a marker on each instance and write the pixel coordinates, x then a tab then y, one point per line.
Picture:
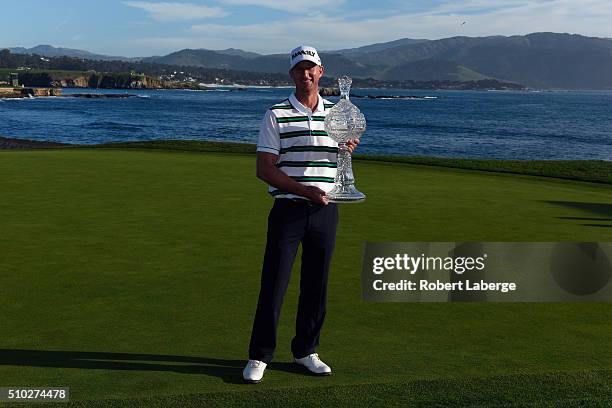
432	69
51	51
541	60
546	60
538	60
378	46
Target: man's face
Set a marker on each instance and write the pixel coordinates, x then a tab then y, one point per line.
306	75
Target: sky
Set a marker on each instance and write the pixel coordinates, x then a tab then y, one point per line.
135	28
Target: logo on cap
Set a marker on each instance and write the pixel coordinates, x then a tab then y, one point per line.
304	53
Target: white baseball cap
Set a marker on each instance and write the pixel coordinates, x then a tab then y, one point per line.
304	53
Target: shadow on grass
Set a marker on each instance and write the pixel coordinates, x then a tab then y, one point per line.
230	371
600	209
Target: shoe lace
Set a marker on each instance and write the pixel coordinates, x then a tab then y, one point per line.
254	363
315	357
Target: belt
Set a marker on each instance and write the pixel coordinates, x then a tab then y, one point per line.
299	201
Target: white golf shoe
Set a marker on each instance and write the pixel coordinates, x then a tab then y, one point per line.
314	364
254	371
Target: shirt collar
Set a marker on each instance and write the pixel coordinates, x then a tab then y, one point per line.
301	108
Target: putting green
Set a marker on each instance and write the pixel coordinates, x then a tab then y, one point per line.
133	274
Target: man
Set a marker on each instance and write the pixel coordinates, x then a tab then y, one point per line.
298	161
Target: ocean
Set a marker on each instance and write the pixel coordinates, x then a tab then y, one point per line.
467	124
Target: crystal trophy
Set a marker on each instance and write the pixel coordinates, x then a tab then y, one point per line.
345	122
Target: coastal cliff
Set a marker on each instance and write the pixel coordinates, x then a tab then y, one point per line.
90	80
123	81
78	82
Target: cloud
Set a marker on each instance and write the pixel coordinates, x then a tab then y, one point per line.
285	5
495	17
177	11
483	18
479	6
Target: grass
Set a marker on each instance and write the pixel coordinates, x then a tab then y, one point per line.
131	276
597	171
580	389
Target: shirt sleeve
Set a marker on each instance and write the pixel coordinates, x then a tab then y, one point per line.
269	137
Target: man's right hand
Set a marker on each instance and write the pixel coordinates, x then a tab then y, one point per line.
316	195
268	172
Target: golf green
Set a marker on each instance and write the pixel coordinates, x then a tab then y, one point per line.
132	276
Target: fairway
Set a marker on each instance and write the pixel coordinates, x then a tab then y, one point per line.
133	275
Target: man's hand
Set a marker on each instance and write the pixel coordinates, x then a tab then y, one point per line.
352	145
316	195
268	172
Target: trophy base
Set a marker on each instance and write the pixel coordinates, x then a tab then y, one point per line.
345	194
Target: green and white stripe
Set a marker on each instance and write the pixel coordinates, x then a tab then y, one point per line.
289	163
287	135
300	119
306	153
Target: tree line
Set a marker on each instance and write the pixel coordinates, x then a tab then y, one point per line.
215	75
207	75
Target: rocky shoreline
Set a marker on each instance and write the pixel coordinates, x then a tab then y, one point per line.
28	92
98	96
336	92
12	143
16	93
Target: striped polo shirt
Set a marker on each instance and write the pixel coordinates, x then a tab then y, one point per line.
297	135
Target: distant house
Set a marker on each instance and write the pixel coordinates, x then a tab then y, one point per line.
14	79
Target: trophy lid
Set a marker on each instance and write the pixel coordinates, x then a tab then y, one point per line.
344	83
345	121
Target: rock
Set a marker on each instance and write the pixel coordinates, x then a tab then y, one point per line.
29	92
98	96
336	92
78	82
329	91
12	143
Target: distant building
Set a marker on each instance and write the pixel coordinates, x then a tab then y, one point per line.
14	79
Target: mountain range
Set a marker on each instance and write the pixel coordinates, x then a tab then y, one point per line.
51	51
539	60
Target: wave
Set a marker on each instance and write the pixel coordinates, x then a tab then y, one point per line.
33	98
110	125
419	98
16	99
204	90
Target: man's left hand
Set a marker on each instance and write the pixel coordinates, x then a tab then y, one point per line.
352	145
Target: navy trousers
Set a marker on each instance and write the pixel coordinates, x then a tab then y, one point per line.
289	223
